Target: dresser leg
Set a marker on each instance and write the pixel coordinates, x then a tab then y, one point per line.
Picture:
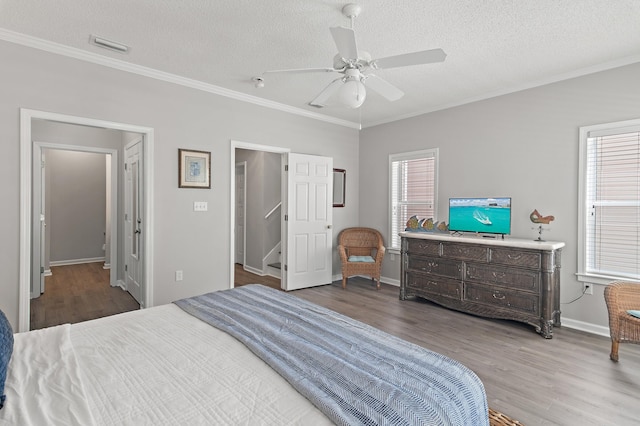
546	330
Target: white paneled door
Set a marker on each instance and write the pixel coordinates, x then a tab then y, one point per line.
241	211
308	231
133	219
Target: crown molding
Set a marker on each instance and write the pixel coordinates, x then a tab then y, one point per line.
83	55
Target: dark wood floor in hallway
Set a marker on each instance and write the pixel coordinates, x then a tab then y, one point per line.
243	277
76	293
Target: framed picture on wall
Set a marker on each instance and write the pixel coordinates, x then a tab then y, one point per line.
339	187
194	169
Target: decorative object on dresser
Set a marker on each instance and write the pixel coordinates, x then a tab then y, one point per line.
513	279
536	217
425	225
623	304
361	252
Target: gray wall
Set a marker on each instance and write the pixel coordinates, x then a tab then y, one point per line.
523	145
195	242
76	191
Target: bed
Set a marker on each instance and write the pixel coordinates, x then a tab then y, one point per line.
249	355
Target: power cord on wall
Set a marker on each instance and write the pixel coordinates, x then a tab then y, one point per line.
584	291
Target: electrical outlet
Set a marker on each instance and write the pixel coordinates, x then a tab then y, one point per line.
587	288
178	275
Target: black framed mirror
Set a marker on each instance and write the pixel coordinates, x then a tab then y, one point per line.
339	186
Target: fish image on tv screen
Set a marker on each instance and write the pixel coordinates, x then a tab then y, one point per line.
481	215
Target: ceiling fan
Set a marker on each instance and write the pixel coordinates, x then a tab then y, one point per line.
356	66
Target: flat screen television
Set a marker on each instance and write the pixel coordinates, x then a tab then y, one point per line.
480	215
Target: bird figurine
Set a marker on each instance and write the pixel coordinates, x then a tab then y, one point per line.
538	218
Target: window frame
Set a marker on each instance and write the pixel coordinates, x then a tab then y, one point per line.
404	156
582	273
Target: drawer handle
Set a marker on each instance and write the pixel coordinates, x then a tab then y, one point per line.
499	296
430	266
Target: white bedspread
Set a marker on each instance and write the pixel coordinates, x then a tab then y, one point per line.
157	366
161	366
43	383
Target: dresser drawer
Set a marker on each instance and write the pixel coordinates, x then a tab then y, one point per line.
435	266
519	301
428	285
465	252
516	279
522	258
423	247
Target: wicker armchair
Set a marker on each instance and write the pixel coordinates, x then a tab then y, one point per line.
355	246
624	328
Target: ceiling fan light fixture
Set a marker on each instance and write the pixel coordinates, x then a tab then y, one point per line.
352	93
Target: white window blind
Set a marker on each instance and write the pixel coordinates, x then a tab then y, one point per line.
413	189
612	203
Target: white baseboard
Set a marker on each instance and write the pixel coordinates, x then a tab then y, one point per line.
106	266
48	273
385	280
273	272
76	261
390	281
121	284
253	270
585	326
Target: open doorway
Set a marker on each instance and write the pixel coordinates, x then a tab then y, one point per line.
303	209
73	235
29	217
258	201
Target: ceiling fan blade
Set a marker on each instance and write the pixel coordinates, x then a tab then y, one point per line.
407	59
300	70
384	88
332	88
345	39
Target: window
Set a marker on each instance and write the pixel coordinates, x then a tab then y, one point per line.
609	234
413	189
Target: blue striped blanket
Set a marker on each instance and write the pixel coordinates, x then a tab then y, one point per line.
354	373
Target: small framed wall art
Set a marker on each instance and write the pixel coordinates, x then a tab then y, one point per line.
194	169
339	187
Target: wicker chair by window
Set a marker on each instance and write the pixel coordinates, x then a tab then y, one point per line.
624	328
361	251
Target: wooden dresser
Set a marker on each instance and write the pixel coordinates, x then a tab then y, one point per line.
513	279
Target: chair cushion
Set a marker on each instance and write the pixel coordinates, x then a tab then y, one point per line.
6	348
366	259
635	313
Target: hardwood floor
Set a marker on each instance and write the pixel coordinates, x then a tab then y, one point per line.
567	380
243	277
76	293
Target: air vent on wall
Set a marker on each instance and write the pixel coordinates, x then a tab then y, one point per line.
108	44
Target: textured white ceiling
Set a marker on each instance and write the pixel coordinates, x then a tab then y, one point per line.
493	46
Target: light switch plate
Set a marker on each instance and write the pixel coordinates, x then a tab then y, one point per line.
200	206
